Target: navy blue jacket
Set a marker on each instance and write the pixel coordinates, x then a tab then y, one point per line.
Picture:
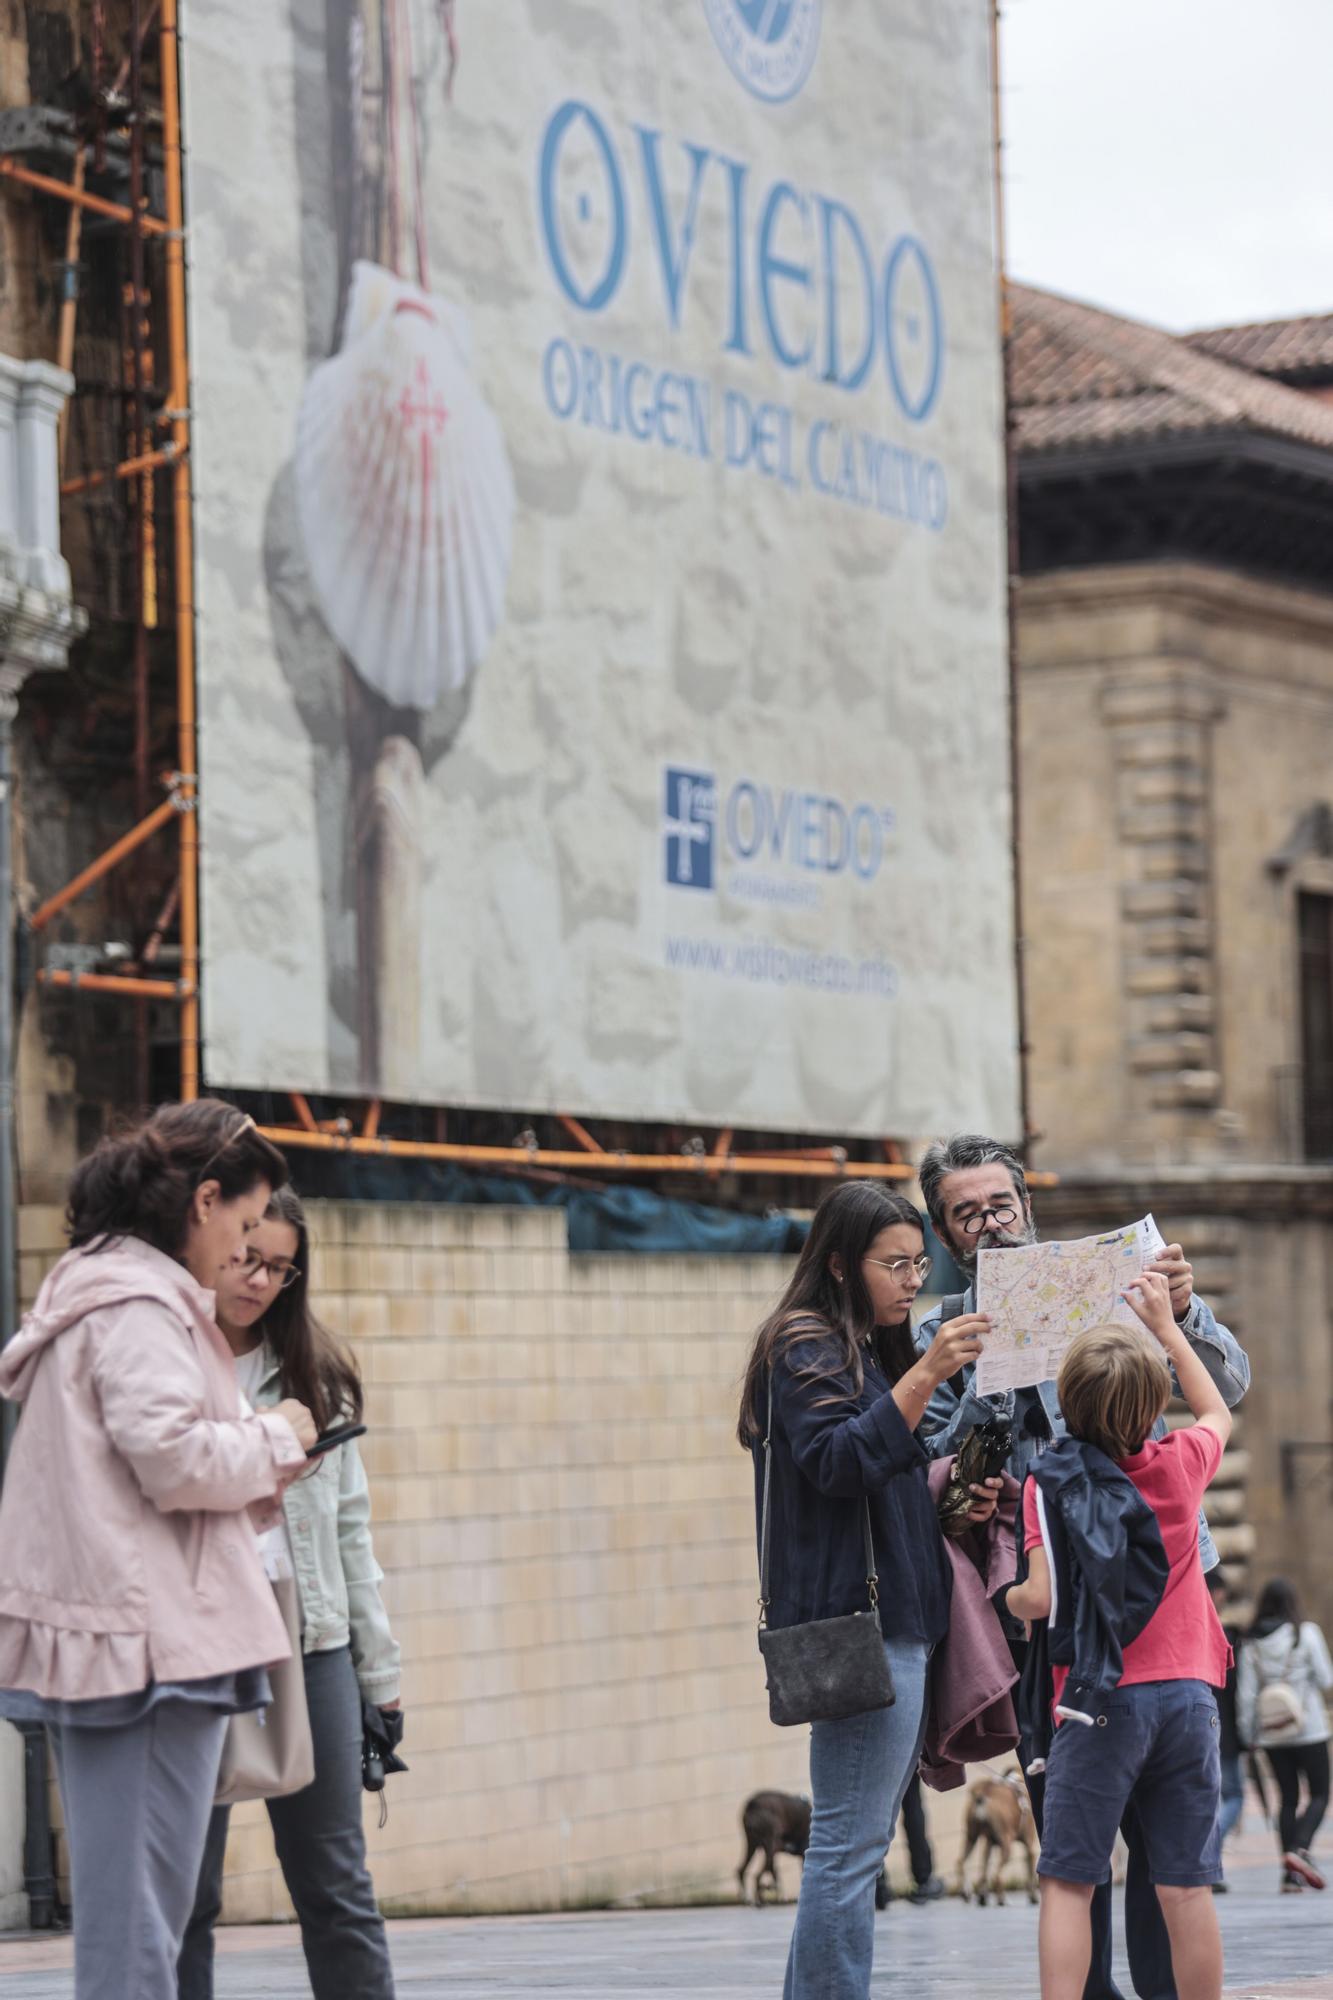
1108	1566
824	1461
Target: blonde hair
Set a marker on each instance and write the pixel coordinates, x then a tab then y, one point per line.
1113	1387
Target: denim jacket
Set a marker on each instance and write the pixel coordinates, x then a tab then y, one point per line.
328	1520
1035	1413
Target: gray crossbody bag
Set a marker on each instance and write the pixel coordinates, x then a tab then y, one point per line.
830	1667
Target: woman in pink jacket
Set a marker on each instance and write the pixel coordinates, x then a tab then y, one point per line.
135	1615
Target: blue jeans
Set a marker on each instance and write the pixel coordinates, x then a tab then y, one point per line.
859	1770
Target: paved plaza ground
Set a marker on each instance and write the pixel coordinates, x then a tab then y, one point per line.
1277	1949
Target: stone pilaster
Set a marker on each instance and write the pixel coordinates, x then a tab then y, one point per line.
1161	720
37	616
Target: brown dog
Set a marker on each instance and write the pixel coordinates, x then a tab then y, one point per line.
773	1823
999	1814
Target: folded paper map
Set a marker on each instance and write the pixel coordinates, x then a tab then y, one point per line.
1039	1298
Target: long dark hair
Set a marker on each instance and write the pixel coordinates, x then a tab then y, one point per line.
837	1318
1278	1605
313	1364
141	1182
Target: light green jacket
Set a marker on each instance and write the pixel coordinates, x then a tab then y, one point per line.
328	1520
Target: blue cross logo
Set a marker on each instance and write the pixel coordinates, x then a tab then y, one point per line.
688	822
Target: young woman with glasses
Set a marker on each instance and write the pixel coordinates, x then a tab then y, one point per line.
350	1654
848	1390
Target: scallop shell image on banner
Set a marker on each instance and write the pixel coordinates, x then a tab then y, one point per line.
405	495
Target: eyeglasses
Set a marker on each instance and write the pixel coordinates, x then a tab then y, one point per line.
1002	1216
898	1267
280	1269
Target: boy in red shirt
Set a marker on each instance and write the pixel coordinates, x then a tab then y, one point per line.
1155	1737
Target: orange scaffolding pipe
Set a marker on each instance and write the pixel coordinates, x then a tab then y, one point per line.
580	1134
603	1163
115	982
703	1166
148	461
10	170
517	1159
104	864
184	540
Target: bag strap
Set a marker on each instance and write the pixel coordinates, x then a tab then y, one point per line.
872	1575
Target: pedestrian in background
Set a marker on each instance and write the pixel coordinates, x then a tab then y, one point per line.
135	1615
350	1655
926	1884
1229	1744
847	1392
1283	1677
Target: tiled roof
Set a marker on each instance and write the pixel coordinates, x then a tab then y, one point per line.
1081	378
1289	348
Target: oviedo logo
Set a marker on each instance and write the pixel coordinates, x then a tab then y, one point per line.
755	825
770	45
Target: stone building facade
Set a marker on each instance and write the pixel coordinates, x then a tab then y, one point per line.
1175	640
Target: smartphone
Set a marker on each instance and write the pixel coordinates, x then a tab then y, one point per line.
330	1440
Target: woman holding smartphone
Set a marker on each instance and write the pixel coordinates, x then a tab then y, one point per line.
135	1616
349	1650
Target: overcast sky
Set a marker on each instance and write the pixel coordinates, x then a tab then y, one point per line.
1171	159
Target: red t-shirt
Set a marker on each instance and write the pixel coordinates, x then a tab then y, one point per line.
1183	1640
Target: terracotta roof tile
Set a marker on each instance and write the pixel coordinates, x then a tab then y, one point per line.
1282	347
1083	377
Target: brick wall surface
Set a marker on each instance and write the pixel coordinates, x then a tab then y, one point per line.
567	1531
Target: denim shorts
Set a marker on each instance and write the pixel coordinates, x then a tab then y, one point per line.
1156	1744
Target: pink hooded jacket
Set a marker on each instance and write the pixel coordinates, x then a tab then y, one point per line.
126	1552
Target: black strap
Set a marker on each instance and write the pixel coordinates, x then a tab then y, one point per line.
872	1575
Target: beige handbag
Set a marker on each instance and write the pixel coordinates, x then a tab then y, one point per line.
268	1752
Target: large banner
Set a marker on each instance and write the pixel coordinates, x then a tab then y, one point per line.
598	459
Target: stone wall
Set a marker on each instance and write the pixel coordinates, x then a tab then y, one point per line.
1176	740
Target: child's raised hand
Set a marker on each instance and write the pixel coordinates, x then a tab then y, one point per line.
1150	1296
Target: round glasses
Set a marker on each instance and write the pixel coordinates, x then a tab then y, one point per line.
280	1269
898	1267
1001	1216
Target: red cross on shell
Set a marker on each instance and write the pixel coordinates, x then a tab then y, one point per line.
430	413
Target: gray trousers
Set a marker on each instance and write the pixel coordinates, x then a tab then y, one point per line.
322	1852
137	1801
